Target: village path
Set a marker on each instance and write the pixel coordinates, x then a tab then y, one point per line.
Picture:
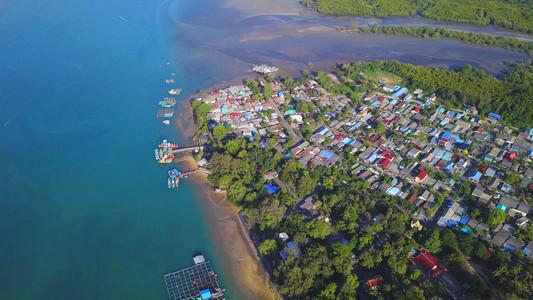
487	276
287	126
284	186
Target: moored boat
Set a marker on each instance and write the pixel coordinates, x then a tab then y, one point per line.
166	160
175	91
156	154
169	181
175	172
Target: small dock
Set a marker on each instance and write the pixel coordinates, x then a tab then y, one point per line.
196	282
189	172
165	113
188	149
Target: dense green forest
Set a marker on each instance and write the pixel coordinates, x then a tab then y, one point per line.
428	32
512	14
512	98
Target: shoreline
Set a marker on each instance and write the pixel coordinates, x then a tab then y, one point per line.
230	236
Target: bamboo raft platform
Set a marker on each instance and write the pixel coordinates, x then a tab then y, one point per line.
196	282
165	113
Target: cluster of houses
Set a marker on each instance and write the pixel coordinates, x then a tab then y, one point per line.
427	151
235	106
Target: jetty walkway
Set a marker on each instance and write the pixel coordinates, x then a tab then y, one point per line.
188	149
189	172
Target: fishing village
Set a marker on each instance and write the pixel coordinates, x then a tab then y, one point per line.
284	148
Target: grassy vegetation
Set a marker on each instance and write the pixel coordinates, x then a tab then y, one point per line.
512	14
428	32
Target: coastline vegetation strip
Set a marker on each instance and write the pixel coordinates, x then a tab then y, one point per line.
428	32
512	14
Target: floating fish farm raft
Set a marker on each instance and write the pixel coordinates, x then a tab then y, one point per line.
165	113
198	282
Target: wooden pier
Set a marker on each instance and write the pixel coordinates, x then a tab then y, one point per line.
189	172
187	149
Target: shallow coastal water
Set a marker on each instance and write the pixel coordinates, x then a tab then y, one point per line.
85	212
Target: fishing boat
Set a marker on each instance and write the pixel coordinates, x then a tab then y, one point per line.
175	172
169	183
156	154
173	182
167	159
175	91
167	145
177	181
166	122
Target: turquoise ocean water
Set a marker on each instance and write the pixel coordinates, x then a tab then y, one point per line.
84	208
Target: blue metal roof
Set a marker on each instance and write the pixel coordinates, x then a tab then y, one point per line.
476	176
494	116
326	154
206	294
399	90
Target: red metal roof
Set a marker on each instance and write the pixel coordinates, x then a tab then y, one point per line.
422	175
417	109
374	282
384	162
339	137
428	263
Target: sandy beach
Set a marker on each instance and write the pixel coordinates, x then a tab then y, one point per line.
230	238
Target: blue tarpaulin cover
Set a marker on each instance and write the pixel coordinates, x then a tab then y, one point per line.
464	220
206	294
272	189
